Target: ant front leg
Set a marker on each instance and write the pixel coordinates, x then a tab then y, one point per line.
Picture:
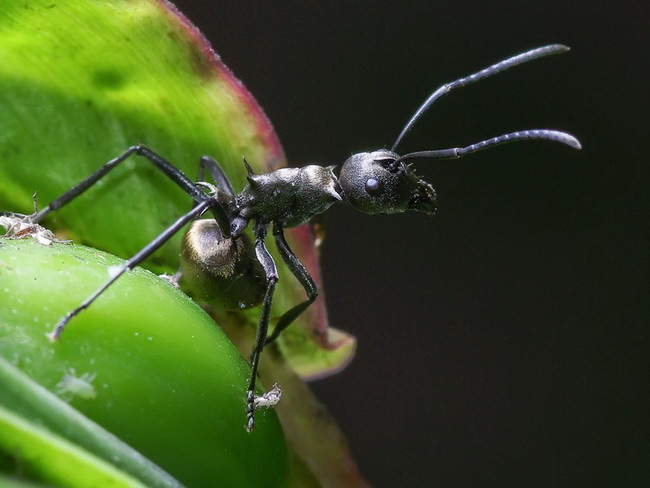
223	192
143	254
271	272
301	274
218	174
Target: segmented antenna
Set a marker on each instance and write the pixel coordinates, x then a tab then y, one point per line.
458	152
479	75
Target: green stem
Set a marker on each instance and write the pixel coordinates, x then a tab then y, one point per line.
22	395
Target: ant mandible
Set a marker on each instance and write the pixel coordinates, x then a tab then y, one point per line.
222	266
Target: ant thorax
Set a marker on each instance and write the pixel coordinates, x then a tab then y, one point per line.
289	196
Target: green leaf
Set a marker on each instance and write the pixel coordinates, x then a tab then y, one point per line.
21	393
167	381
56	459
13	482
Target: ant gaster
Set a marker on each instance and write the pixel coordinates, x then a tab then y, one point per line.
222	266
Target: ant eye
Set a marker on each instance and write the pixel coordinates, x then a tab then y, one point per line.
373	186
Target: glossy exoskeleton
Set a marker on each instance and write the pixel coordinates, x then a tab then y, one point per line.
223	267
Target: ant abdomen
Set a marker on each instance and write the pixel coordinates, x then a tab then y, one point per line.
222	272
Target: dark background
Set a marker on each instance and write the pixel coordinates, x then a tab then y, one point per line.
503	342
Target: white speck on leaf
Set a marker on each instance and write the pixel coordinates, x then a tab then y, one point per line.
113	271
22	227
72	385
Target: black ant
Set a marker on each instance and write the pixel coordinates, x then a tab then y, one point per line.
222	266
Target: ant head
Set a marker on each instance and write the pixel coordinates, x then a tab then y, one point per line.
377	182
381	182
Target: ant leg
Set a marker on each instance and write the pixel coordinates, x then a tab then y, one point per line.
271	272
175	174
132	263
217	173
301	273
225	193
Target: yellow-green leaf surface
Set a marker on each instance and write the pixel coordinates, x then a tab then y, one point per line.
158	373
81	81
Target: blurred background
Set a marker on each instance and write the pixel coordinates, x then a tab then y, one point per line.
503	342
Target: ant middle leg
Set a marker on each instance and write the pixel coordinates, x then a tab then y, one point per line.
271	272
261	340
301	274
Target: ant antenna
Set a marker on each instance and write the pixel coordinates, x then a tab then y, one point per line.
479	75
458	152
